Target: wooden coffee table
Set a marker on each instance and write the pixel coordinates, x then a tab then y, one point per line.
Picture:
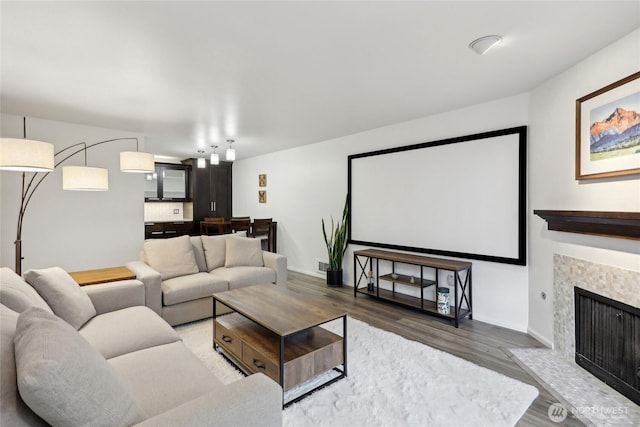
277	332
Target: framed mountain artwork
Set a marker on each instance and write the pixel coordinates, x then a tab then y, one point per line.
608	130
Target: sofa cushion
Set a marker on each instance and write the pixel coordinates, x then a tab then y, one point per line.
198	252
243	251
171	257
66	381
245	276
63	294
13	411
191	287
154	380
214	250
17	294
129	329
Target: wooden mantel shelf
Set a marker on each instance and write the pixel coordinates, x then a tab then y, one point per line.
624	225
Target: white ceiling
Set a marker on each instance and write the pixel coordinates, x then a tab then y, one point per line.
274	75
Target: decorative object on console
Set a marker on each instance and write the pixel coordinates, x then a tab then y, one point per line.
370	285
608	130
39	157
336	243
443	300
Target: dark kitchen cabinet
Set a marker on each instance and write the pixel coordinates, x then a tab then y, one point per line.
211	191
169	182
163	230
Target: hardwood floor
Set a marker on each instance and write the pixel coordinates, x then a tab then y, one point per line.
475	341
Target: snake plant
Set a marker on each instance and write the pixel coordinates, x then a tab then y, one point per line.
336	240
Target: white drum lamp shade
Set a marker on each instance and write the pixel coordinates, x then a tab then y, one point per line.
26	155
84	178
137	162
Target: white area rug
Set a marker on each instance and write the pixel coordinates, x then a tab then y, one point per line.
391	381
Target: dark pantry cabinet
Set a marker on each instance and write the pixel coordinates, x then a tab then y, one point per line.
210	191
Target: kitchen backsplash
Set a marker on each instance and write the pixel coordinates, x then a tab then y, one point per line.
164	211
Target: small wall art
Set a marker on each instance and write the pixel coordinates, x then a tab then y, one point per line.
608	130
262	180
262	196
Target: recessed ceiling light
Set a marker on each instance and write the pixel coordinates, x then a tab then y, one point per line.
483	44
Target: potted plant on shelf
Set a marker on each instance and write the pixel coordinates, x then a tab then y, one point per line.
336	242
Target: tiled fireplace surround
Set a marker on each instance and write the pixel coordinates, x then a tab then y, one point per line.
612	282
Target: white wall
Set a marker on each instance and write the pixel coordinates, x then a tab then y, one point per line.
308	183
552	183
75	230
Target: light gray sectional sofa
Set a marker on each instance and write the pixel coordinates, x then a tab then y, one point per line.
180	274
96	356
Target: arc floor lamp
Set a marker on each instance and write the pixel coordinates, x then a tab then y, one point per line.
39	158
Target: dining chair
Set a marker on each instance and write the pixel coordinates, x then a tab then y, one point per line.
213	226
242	223
262	230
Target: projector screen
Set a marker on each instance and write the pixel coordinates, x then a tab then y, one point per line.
463	197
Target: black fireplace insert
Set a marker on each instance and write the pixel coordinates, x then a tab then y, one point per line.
608	341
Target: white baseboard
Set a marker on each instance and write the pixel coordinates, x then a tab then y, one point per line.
495	322
314	274
308	273
540	338
492	321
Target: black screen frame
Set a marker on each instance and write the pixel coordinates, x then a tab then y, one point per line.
520	259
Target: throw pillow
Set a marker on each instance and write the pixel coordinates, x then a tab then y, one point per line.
243	251
16	294
66	381
171	257
214	251
13	410
65	297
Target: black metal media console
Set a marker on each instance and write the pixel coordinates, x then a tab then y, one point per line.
383	266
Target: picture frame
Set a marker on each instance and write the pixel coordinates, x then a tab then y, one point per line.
608	130
262	196
262	180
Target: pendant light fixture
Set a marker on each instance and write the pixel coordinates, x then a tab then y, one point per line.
231	153
201	162
215	158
